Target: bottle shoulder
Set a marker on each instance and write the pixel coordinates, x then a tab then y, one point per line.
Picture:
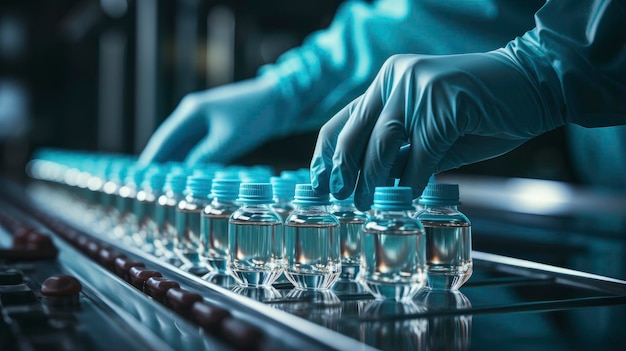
442	214
300	217
192	204
167	200
256	214
393	224
216	208
146	196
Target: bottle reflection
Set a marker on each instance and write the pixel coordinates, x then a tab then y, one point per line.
318	306
348	287
387	329
259	293
449	330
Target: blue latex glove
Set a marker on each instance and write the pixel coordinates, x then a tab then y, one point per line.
460	109
219	124
312	82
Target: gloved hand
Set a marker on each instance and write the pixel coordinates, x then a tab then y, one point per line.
220	124
308	84
453	110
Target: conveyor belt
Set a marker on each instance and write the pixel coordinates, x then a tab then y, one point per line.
507	304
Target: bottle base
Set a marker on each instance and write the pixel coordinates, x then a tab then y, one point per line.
348	287
312	281
255	278
447	280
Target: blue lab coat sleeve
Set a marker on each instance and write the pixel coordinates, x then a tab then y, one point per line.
576	55
336	64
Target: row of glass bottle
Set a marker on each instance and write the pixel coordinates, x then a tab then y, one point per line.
208	220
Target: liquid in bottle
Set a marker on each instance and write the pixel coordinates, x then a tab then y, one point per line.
312	242
393	258
448	237
255	237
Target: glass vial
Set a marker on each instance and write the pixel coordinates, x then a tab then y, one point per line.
145	206
448	237
114	173
165	216
255	237
394	256
188	218
283	190
351	223
312	248
214	224
125	202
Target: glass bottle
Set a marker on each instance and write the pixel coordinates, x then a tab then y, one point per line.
214	224
165	216
283	190
125	203
255	237
115	176
351	222
393	258
312	248
94	187
448	237
188	218
145	207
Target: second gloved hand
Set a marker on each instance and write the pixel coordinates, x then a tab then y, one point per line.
453	110
220	124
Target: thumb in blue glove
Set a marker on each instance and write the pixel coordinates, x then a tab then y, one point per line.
453	110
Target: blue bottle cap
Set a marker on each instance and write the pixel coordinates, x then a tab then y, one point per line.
176	181
398	198
440	194
225	189
198	185
255	193
135	176
283	188
117	171
305	195
154	180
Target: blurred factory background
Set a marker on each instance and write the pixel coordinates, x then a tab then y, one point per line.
103	74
